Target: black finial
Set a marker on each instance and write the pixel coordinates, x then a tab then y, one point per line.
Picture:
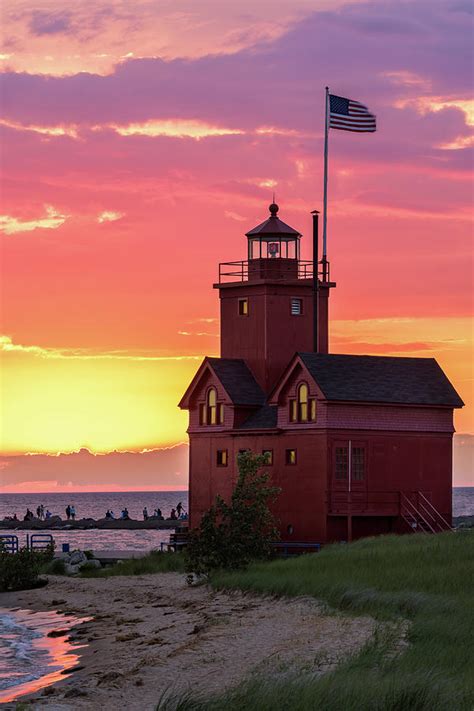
273	208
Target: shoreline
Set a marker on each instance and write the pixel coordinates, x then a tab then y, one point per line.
153	633
42	643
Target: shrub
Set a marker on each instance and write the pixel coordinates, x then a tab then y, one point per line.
154	562
55	567
231	535
20	571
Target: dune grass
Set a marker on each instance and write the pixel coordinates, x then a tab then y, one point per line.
154	562
428	580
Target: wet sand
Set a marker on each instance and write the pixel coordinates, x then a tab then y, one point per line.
151	633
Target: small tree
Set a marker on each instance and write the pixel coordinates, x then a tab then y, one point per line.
232	534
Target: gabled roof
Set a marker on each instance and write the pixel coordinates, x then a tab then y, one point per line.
238	381
264	418
384	379
235	378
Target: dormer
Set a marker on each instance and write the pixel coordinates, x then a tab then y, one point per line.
221	396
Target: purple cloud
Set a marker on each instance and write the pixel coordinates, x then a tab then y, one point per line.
49	23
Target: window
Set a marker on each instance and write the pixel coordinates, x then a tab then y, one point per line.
303	403
296	307
222	457
342	463
244	451
212	407
303	409
358	463
243	307
290	457
293	411
211	412
268	454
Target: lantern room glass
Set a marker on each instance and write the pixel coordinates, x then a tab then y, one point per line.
273	247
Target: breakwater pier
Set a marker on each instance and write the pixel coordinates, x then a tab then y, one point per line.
56	523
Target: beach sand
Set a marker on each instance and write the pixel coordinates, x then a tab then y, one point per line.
151	633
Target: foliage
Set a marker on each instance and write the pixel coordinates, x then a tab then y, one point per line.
154	562
55	567
233	534
20	571
425	579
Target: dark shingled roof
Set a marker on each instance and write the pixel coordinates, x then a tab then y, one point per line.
273	226
238	381
408	381
263	419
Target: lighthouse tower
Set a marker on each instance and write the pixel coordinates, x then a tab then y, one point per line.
268	303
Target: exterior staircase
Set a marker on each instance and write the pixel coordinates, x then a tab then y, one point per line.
420	514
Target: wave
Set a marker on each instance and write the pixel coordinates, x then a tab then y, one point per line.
20	660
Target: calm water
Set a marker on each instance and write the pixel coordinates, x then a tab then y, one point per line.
29	659
94	505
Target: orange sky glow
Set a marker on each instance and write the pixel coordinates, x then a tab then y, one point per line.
131	167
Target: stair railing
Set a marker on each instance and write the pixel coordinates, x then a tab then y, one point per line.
440	520
414	511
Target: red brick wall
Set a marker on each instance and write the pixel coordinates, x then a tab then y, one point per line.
270	335
389	417
302	502
396	461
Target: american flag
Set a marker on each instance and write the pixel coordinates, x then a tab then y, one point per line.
348	115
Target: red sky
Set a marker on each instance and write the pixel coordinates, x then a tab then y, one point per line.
141	141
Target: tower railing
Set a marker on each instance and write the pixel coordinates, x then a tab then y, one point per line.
304	269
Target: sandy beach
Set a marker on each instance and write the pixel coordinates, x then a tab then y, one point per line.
152	633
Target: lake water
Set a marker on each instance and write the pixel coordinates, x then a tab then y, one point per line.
29	659
94	505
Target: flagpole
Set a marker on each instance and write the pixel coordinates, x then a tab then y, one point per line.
325	216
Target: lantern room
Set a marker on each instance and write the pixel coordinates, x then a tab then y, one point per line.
273	239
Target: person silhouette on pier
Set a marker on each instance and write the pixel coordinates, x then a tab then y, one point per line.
145	514
68	512
179	508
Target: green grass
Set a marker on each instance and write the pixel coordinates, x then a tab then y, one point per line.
428	580
154	562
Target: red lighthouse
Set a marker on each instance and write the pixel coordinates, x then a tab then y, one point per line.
359	445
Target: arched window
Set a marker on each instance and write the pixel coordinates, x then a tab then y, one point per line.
303	403
303	408
211	412
211	406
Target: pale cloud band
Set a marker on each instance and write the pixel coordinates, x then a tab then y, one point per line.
51	221
8	346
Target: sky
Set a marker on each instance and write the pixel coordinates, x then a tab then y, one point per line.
140	142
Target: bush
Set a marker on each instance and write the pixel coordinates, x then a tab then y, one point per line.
154	562
55	567
20	571
232	535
